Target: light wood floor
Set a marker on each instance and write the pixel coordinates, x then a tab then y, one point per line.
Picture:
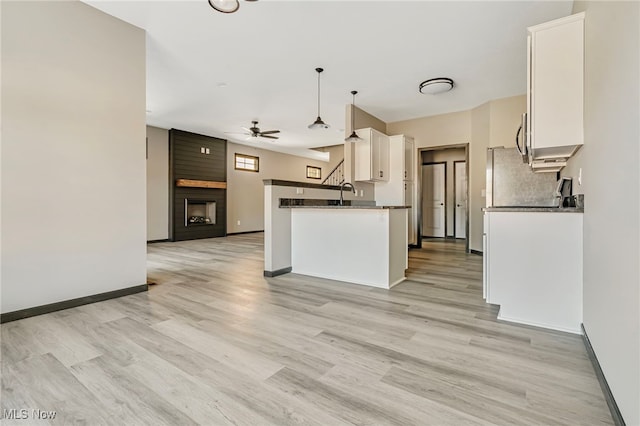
216	343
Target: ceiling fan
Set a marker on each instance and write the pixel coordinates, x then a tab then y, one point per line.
254	132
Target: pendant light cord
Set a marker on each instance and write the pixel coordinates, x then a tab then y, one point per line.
319	71
353	112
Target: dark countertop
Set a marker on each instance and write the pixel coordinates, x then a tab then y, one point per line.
277	182
534	209
347	207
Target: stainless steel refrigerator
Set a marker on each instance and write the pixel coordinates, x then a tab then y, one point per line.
511	183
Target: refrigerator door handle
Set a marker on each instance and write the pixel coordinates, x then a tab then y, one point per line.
518	140
524	151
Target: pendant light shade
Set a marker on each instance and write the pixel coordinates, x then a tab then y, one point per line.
353	137
318	124
225	6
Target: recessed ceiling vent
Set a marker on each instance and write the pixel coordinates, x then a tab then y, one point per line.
435	86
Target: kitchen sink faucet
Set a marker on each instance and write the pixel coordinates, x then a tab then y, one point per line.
342	188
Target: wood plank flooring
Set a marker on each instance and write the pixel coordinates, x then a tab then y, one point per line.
216	343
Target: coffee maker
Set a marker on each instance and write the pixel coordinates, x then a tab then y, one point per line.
564	192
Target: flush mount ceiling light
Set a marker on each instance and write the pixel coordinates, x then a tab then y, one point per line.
436	85
318	124
226	6
354	136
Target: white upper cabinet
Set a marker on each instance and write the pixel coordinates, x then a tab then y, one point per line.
555	77
372	156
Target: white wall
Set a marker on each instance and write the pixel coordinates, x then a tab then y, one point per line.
157	184
73	153
245	190
609	160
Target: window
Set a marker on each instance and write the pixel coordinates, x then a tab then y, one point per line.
314	172
246	162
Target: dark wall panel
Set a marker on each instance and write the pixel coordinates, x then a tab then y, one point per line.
188	162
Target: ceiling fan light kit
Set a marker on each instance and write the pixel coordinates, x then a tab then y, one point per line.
435	86
318	124
353	137
254	132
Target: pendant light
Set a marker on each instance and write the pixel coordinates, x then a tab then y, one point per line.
318	124
354	136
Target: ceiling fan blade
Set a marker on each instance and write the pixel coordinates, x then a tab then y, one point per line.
237	133
269	137
268	132
246	130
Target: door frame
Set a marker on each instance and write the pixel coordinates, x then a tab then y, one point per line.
455	200
433	163
418	164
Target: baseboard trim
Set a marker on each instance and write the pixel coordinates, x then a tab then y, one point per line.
478	252
72	303
271	274
166	240
606	390
244	232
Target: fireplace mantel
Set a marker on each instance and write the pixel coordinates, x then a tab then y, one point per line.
191	183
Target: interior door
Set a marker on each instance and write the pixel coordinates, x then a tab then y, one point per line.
460	172
433	198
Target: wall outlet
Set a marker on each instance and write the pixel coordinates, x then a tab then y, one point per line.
238	223
362	192
299	191
201	150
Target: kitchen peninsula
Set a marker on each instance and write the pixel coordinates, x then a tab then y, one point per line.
359	243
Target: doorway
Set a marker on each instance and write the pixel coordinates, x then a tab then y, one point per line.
434	177
443	193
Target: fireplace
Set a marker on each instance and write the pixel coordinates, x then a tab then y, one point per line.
199	212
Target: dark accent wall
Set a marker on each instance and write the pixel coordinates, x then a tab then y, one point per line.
186	161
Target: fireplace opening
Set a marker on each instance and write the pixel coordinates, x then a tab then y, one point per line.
199	212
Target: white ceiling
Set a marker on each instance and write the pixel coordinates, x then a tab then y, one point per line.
267	52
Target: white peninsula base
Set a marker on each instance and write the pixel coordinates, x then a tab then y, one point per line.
357	245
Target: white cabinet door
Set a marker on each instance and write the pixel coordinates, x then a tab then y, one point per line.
362	156
556	75
408	158
372	156
433	208
380	156
460	224
408	201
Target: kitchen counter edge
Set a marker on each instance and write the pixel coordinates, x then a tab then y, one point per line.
534	209
347	207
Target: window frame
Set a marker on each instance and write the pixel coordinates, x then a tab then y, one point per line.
246	156
314	169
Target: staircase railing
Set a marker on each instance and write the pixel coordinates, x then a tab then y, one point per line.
336	177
